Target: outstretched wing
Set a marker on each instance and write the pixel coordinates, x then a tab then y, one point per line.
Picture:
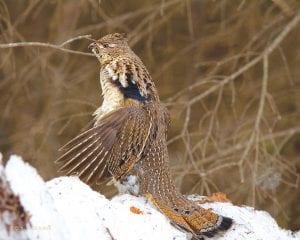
109	149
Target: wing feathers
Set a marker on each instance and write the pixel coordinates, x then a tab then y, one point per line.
96	154
79	162
91	164
80	139
76	147
100	170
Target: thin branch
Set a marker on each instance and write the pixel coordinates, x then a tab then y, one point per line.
284	7
292	24
49	45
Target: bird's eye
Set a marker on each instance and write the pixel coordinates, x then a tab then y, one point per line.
108	45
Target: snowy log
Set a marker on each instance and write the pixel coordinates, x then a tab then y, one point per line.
65	208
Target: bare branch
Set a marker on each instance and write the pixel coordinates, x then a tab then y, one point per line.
292	24
49	45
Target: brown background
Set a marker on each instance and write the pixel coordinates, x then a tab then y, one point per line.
238	135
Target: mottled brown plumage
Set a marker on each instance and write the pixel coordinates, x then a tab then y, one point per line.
128	140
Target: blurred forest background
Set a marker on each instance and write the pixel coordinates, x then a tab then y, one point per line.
227	70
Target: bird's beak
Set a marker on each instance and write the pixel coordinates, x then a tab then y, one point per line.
92	46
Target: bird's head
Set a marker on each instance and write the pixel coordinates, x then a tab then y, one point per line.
109	46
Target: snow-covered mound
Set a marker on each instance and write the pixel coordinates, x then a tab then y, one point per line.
67	209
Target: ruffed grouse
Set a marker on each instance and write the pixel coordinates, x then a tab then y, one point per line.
128	140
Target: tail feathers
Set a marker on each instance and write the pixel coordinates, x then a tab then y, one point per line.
223	224
193	219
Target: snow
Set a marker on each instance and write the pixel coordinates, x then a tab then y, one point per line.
65	208
95	217
7	217
45	220
250	224
80	207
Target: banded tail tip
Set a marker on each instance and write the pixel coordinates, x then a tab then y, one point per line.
224	224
